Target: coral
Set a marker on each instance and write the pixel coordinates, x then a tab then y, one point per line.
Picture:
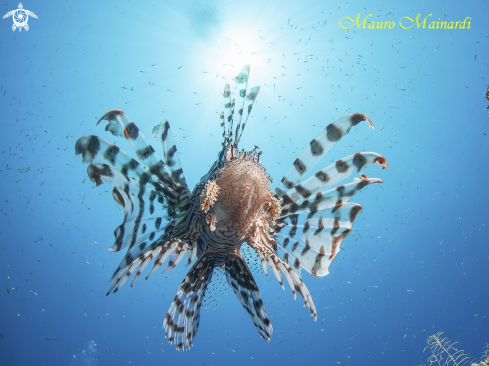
444	353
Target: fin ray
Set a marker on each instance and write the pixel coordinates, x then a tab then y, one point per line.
319	146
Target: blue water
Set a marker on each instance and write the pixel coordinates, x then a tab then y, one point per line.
416	262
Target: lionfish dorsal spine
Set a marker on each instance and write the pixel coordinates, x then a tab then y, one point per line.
237	102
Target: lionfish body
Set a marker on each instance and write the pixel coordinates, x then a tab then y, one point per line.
297	226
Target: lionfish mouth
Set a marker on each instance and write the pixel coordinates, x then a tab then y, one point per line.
298	226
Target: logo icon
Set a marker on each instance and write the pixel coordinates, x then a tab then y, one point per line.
20	17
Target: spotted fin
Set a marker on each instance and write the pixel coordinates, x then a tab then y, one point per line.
244	286
153	193
143	254
335	173
314	222
341	216
119	124
314	241
227	114
95	149
145	212
245	100
237	103
162	133
330	198
267	250
182	320
142	222
319	146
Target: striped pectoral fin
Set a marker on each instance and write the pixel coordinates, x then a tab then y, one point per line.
326	199
317	148
145	212
177	255
140	255
134	257
95	149
182	320
133	233
244	286
314	238
119	124
335	173
293	267
269	256
335	216
103	173
315	262
162	133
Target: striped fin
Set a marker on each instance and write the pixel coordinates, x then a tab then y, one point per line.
141	221
244	286
176	256
241	85
227	115
141	256
145	213
134	232
300	255
288	258
182	320
93	148
250	101
103	173
134	257
332	217
335	173
267	252
319	146
332	197
293	266
244	101
119	124
316	242
162	133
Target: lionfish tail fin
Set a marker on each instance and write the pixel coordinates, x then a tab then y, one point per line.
244	286
239	98
182	320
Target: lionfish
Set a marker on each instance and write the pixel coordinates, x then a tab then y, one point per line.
299	225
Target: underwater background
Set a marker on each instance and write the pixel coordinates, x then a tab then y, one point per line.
416	262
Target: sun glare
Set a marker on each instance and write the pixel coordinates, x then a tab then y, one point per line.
238	49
